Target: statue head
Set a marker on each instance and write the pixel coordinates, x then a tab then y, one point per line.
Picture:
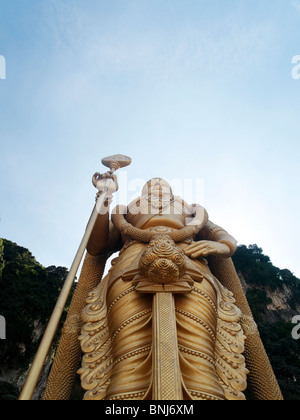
157	189
157	199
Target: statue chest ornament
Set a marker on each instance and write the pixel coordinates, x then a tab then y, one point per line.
162	267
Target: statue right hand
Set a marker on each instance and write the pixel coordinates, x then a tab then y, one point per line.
107	182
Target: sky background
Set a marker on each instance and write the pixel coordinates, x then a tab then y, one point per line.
195	90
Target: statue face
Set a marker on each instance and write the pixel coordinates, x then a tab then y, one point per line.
157	188
156	198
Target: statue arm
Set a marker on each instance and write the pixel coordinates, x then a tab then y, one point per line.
212	240
104	237
99	238
216	233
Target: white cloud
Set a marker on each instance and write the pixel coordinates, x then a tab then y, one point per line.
296	5
162	50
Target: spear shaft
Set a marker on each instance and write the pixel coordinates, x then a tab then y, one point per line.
114	162
41	355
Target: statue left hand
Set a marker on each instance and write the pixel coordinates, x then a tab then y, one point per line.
205	248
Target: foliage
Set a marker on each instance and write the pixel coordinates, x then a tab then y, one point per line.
282	349
258	301
284	354
258	269
8	392
28	295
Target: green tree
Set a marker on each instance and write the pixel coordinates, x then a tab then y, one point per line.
261	277
257	267
29	292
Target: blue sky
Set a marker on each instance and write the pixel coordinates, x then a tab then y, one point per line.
190	89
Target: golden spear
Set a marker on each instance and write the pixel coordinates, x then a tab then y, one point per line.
114	162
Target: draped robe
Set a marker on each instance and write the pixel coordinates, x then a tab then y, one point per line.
117	335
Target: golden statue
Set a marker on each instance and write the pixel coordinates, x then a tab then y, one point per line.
170	320
160	326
